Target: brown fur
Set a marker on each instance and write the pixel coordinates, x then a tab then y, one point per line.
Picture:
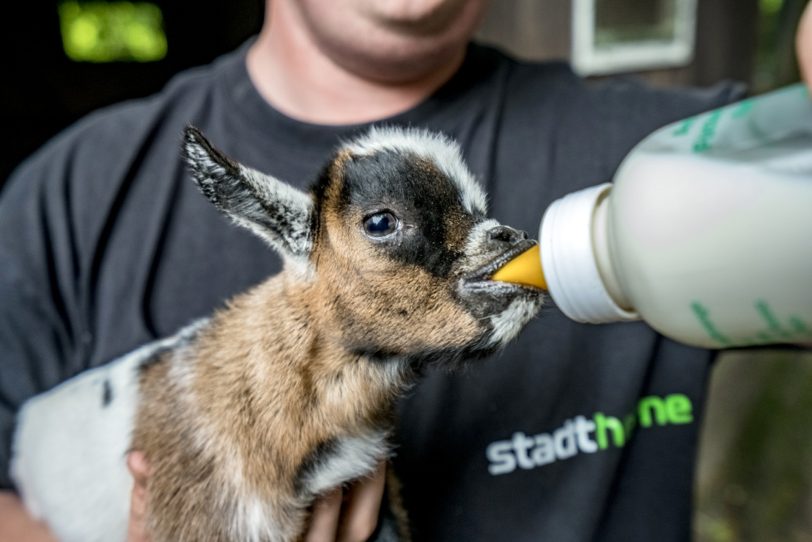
268	391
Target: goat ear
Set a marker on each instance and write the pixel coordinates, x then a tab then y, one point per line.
277	212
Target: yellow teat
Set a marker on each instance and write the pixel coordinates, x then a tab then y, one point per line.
523	269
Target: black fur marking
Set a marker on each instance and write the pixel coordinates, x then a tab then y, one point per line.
107	392
425	200
217	176
153	359
319	188
313	461
194	136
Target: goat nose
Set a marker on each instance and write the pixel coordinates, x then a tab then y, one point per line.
506	234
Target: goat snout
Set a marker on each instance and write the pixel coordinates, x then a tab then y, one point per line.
506	235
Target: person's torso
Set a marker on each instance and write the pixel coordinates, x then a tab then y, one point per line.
572	433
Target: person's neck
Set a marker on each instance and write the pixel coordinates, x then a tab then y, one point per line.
297	79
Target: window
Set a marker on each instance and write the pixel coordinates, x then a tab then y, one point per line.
610	36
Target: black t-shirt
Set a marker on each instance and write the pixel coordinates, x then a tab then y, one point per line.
574	432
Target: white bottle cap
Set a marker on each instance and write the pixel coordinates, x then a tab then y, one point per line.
568	258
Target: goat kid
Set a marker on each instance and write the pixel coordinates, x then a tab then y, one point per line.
248	416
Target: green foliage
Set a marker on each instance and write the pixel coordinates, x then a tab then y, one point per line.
775	63
112	31
761	488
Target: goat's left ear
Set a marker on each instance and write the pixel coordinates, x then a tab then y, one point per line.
277	212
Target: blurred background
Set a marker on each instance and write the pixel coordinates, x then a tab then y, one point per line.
65	59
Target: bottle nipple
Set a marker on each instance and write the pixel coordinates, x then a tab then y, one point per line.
524	269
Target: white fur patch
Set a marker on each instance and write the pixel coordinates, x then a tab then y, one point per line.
508	323
436	147
253	521
69	450
353	457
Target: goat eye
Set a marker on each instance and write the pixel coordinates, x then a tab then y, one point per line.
380	224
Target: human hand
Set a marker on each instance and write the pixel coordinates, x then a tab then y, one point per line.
17	524
137	526
349	515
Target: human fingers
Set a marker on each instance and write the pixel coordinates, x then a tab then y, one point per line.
324	520
17	524
362	504
139	469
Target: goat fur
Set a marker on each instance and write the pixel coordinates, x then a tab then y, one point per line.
247	416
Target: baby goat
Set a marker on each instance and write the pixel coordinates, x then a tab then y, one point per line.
246	417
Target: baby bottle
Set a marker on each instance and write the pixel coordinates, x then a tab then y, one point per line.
705	232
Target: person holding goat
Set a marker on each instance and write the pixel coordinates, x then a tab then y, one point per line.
107	245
